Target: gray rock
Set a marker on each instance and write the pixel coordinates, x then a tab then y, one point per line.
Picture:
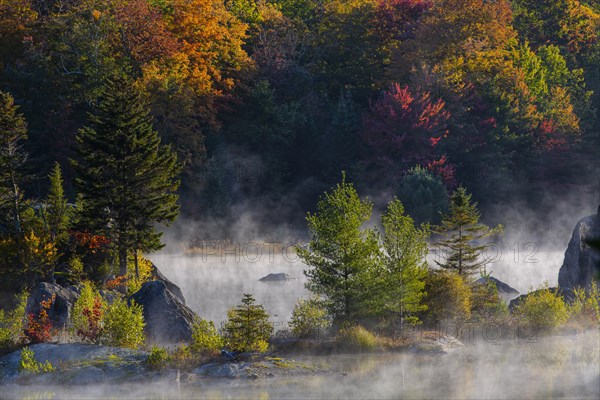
277	277
506	292
227	370
87	375
168	320
60	311
582	262
436	343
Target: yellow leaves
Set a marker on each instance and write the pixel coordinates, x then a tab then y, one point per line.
96	14
38	248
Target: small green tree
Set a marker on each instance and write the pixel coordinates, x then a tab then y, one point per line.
461	236
487	303
248	327
342	254
55	211
309	318
405	249
12	324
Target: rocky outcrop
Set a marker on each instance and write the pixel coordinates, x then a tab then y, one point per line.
77	363
582	260
167	319
506	292
276	277
567	294
173	288
60	311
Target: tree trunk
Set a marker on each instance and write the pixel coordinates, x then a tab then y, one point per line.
123	261
137	269
17	218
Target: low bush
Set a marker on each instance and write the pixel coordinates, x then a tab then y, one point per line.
123	325
205	337
543	310
12	324
88	314
487	305
157	359
39	326
448	299
585	309
28	363
309	318
357	337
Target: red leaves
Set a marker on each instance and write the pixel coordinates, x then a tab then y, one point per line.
94	316
144	33
405	126
548	137
447	172
38	329
90	241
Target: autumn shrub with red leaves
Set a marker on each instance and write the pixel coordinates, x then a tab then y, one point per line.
93	316
39	327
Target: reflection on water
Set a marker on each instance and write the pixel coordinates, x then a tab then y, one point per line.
558	367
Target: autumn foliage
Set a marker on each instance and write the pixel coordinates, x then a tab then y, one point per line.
39	327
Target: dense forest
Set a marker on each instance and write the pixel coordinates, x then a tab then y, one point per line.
265	103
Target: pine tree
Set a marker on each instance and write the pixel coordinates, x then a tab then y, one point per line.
405	250
55	211
342	254
462	235
248	327
126	177
13	131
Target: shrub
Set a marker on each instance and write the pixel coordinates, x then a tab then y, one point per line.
248	327
28	363
76	268
357	337
39	327
448	297
157	359
486	302
309	318
585	309
12	324
134	283
543	310
88	314
205	337
123	325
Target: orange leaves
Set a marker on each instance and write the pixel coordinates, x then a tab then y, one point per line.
38	329
90	241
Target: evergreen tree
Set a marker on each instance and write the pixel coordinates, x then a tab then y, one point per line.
423	195
462	235
248	327
342	255
405	249
55	210
13	131
126	177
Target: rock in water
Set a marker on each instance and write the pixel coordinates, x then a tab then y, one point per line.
277	277
60	311
506	292
582	262
168	320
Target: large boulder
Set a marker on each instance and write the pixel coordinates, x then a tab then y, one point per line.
506	292
168	320
582	260
60	310
276	277
173	288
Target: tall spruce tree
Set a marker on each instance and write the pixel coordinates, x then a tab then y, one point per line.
462	236
13	131
405	249
343	255
126	177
